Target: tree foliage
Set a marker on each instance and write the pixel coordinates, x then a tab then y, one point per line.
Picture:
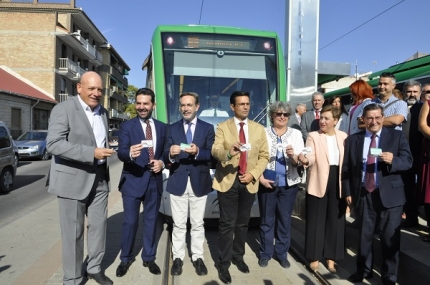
131	95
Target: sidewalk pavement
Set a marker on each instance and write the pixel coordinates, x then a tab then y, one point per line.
414	267
31	253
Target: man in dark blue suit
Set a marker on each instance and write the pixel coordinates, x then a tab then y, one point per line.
188	151
140	147
382	154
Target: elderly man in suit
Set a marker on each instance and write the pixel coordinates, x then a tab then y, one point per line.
188	149
79	176
382	154
310	119
140	147
295	119
242	152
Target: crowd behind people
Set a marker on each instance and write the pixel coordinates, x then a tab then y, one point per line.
383	138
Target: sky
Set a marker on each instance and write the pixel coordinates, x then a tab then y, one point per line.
390	38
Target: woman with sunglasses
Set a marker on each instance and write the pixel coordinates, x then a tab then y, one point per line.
325	203
279	185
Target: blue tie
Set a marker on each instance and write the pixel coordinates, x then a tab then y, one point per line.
189	134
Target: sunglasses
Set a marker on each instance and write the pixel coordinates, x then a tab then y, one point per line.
426	92
286	115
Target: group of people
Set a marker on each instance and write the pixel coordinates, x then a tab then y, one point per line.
353	160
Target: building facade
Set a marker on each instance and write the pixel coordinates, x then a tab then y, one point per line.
53	44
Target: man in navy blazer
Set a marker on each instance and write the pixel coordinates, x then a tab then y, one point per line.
378	188
140	147
188	151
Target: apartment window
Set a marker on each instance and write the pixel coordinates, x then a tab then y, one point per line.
63	51
63	86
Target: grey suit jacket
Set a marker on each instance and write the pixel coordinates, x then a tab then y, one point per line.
72	143
309	124
293	122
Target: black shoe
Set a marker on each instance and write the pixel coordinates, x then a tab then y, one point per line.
123	268
200	267
177	267
152	266
224	275
263	262
100	278
285	263
358	277
241	265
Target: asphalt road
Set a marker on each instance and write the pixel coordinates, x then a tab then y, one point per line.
29	191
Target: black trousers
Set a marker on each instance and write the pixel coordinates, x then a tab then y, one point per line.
325	222
235	209
386	222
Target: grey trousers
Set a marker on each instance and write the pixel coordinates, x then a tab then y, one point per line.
72	221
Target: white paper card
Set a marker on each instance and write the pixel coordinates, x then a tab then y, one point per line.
375	151
185	146
307	150
245	147
147	143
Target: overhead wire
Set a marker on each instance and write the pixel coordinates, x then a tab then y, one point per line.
344	35
201	11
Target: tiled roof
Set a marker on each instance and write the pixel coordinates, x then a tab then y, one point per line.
11	82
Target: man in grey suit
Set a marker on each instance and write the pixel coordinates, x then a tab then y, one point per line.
79	176
310	119
296	118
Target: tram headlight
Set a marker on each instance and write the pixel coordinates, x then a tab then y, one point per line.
267	46
170	41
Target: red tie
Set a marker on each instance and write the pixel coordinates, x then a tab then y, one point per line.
242	159
369	177
317	114
149	137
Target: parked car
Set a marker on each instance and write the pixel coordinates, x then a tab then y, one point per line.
16	151
7	159
33	144
113	139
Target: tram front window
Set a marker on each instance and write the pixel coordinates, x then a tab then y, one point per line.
212	72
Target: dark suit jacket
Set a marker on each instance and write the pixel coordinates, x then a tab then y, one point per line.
293	122
389	176
197	168
308	124
135	174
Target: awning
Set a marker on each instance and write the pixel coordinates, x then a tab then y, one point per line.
400	77
404	66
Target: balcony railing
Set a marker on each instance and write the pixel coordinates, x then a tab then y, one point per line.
70	69
89	48
115	114
64	97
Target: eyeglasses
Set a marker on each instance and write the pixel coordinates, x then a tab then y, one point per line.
426	92
286	115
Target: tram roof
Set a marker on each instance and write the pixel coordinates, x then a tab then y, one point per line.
214	29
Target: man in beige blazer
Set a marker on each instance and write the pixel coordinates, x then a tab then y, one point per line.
242	152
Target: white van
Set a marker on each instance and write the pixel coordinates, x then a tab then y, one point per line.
7	159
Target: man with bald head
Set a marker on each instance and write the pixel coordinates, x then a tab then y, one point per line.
79	176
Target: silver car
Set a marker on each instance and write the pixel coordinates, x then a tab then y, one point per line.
7	159
33	144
